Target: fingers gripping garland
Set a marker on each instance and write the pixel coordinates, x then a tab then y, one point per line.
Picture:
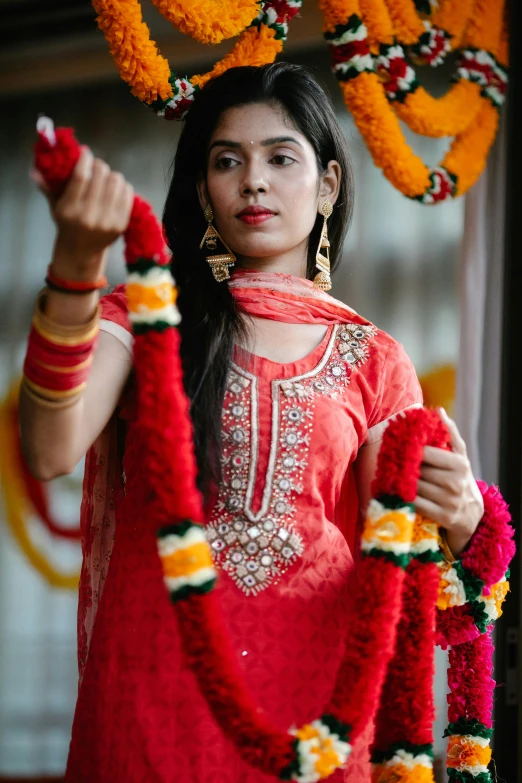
399	552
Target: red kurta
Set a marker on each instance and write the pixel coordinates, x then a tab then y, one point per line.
282	531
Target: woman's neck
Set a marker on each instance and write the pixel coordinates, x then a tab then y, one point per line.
293	262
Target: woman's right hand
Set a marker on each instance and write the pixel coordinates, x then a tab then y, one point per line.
90	214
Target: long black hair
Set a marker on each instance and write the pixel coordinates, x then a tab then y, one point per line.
211	322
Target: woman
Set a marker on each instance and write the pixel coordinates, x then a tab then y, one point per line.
290	393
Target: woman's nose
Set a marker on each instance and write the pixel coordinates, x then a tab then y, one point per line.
254	180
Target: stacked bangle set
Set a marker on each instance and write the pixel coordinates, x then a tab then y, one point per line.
58	356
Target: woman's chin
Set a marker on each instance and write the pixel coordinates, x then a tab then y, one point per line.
259	250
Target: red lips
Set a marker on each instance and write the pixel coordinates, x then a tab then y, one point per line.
255	214
255	210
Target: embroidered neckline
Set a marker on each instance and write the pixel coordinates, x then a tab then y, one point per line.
258	361
257	547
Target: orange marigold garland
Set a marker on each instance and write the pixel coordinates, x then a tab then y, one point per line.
429	44
367	99
480	75
455	111
148	73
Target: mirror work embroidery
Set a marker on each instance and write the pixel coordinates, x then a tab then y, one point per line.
257	548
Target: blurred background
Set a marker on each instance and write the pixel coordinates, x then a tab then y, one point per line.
400	270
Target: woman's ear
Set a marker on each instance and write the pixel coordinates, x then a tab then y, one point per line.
330	183
202	191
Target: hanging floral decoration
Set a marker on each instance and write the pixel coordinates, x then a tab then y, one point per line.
388	663
263	27
379	84
380	88
24	496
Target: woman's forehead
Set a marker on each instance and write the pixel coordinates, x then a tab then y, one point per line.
255	123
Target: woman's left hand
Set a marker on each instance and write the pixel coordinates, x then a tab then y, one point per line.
447	491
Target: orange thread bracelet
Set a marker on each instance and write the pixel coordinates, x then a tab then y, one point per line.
74	286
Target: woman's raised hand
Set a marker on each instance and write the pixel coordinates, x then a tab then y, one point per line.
90	214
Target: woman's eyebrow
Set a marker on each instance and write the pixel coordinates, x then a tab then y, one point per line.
264	143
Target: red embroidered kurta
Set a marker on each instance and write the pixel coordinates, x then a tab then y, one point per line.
283	532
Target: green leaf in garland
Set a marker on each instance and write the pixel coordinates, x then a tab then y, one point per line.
468	727
473	585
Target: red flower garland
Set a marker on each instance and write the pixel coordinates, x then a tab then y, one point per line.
169	500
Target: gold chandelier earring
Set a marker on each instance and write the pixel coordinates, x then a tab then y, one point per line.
322	279
220	255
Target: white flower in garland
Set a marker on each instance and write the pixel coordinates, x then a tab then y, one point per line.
186	560
320	752
410	760
350	51
433	45
443	186
398	77
451	589
151	296
184	92
479	66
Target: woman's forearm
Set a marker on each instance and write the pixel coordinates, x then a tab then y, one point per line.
56	436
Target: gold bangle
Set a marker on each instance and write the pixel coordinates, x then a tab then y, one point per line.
50	394
60	333
43	402
65	370
449	557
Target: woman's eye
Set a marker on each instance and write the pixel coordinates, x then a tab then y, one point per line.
226	163
282	160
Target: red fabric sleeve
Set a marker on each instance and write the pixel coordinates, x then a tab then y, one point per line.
114	307
399	388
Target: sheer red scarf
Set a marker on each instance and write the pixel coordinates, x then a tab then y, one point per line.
283	297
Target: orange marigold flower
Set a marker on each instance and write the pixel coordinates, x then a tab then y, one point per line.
256	46
209	21
465	752
407	25
135	54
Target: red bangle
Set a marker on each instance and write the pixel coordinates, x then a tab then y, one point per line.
74	286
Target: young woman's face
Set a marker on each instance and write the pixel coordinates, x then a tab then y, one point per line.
263	183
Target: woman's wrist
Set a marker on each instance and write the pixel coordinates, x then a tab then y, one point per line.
458	540
67	308
77	265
